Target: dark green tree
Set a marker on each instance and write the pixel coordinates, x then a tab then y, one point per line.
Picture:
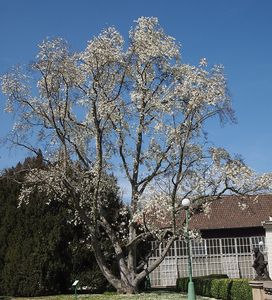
35	253
42	249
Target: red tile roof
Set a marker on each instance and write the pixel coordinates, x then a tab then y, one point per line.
226	212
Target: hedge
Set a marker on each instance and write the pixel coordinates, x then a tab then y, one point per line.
240	290
218	286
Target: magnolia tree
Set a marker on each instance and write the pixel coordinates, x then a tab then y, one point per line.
130	108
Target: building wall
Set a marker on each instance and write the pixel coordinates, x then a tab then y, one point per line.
232	256
268	236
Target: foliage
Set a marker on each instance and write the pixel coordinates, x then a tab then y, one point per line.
182	284
223	291
219	287
203	285
240	290
42	251
10	217
36	252
132	109
85	269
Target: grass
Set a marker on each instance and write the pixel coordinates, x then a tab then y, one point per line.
160	295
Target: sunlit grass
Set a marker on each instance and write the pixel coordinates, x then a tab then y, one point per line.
143	296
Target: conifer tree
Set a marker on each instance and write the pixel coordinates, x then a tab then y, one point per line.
41	250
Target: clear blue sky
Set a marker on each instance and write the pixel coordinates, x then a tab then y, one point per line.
235	33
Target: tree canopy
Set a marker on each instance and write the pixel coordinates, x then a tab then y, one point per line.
131	108
41	250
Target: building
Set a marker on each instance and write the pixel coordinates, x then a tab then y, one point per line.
229	234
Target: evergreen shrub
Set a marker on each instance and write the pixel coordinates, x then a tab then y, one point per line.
220	288
240	290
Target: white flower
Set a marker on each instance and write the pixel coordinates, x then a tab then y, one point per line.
203	62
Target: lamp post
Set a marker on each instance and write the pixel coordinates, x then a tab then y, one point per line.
191	289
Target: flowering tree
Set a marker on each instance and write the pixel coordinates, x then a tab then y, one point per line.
134	108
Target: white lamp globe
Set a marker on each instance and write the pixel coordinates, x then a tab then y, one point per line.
185	202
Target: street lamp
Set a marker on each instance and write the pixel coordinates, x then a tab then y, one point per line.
191	289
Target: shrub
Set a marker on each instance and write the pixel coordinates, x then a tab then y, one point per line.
182	284
214	288
218	286
224	289
216	276
202	284
240	290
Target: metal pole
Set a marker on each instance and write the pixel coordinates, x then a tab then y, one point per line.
191	288
76	292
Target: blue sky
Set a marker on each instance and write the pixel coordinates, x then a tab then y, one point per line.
235	33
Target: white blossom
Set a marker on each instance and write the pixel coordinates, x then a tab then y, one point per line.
132	108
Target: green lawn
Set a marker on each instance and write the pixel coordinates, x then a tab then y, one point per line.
143	296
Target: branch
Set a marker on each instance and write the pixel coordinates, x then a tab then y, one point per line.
156	263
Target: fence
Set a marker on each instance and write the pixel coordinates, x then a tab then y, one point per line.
231	256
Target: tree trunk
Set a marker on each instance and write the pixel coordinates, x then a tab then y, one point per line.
125	283
128	288
132	249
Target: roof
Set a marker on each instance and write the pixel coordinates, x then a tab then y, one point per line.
234	212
